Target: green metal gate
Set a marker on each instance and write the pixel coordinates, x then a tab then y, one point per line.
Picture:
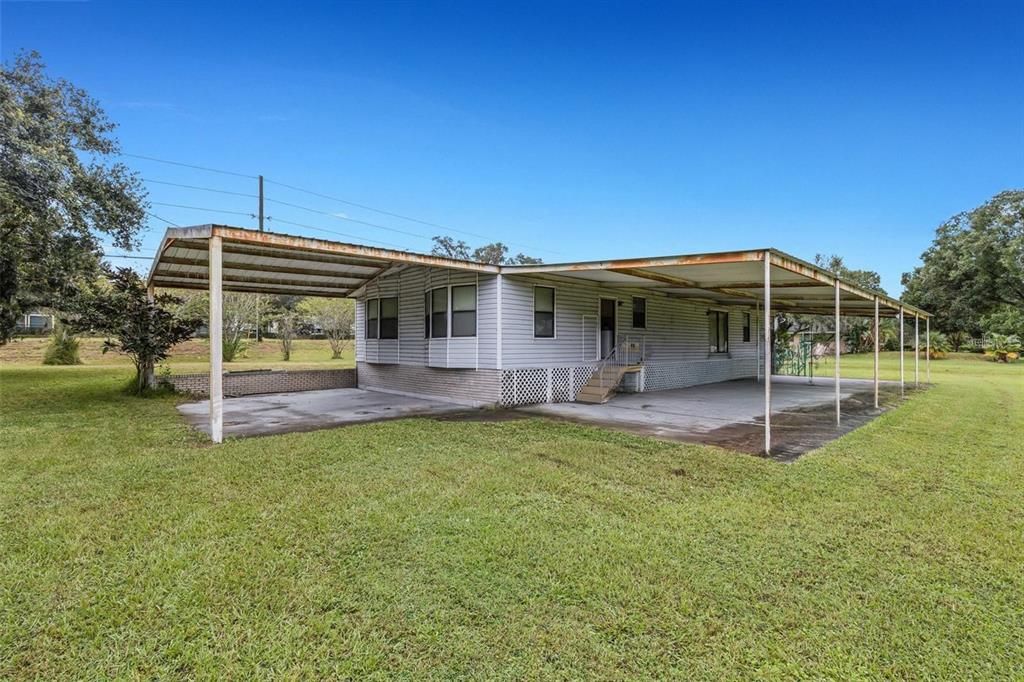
795	361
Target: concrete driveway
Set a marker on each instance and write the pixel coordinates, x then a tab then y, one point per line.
260	415
731	413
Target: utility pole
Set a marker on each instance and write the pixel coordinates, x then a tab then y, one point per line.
261	203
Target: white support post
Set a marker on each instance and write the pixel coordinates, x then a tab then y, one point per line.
216	336
837	354
877	331
902	381
928	349
767	353
917	351
757	340
498	355
149	380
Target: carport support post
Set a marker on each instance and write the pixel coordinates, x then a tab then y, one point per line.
767	352
876	352
917	351
149	381
928	349
902	385
757	351
216	336
837	353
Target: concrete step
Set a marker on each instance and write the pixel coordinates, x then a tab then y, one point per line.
594	394
591	399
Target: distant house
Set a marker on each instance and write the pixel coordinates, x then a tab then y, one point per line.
34	323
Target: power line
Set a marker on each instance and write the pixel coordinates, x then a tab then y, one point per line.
202	189
189	165
204	208
393	215
316	194
334	232
153	215
124	255
351	220
376	210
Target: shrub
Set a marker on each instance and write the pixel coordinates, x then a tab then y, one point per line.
1003	348
63	347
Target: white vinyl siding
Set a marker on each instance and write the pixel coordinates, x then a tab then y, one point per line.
412	347
677	329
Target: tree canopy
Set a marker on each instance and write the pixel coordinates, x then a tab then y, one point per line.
135	324
60	195
975	267
495	254
865	279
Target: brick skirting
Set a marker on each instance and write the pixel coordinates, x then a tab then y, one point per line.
265	381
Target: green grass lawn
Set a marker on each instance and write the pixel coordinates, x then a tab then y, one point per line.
131	548
192	355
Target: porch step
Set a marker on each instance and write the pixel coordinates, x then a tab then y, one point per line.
602	384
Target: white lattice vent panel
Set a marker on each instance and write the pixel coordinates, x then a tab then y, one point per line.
580	377
524	386
543	385
561	384
664	375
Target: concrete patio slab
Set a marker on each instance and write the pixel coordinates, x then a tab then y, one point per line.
731	414
261	415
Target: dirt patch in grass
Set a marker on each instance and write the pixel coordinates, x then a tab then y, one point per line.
801	430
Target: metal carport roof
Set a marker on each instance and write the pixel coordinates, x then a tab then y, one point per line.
272	263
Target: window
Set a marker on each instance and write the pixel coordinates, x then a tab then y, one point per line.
372	308
639	313
389	318
464	310
746	327
544	312
439	313
426	314
718	331
382	318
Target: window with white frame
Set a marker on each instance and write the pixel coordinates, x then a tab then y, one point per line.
544	312
439	313
464	310
389	318
372	318
639	312
382	318
718	331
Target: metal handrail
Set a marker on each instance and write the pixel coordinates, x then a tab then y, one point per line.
621	356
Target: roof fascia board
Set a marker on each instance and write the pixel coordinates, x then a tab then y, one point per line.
275	239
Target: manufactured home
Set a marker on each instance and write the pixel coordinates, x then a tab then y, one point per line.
482	334
544	334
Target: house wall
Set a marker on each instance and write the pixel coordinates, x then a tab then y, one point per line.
412	348
462	370
521	368
675	340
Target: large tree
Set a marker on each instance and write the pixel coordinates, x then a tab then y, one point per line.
975	266
60	195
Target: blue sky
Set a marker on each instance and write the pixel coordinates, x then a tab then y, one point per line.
575	131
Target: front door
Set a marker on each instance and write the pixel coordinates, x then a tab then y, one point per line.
607	330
